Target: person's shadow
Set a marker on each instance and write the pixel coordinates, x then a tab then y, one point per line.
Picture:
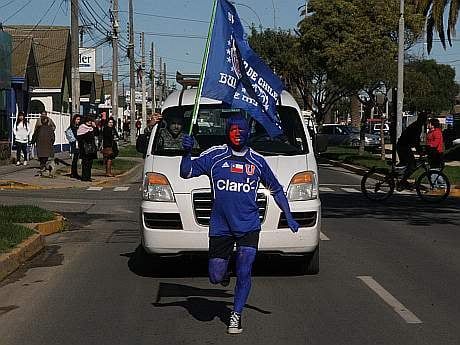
202	309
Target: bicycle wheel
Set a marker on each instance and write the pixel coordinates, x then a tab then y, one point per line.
377	184
433	186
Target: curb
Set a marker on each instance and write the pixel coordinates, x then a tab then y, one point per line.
10	262
49	227
454	189
9	184
116	178
15	185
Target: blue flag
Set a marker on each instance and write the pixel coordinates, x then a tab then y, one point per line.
236	75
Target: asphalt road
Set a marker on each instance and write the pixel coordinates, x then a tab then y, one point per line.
390	274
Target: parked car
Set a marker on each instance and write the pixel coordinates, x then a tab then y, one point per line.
346	135
175	213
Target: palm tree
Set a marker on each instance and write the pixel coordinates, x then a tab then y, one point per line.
434	11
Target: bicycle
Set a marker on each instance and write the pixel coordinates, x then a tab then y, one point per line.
378	184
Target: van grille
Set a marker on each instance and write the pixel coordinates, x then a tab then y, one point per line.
168	221
305	219
202	204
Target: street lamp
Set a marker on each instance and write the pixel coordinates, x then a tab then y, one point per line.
400	95
274	15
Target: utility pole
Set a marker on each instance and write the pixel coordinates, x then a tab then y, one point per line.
152	71
115	25
165	82
75	56
132	85
400	96
143	86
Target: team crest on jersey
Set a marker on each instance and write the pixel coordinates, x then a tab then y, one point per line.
250	168
225	165
237	168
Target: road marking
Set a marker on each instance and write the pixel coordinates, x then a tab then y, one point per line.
338	185
98	189
397	306
120	189
323	237
404	192
67	202
350	190
325	189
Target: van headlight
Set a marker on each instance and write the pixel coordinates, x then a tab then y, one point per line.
156	187
303	186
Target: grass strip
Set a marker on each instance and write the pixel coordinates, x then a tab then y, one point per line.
119	166
12	234
24	214
129	151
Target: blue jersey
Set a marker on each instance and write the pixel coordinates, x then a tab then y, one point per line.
235	179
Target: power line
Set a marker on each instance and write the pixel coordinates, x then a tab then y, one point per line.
28	2
163	34
10	2
168	17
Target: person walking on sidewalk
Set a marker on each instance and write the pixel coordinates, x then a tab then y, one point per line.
39	122
71	134
44	138
109	145
87	145
235	171
21	133
434	143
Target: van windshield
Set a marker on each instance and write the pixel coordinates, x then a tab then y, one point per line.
210	131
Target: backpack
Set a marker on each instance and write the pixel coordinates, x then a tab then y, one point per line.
70	136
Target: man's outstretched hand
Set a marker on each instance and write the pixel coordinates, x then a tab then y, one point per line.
187	143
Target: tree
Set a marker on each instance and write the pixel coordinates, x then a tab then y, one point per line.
429	86
434	11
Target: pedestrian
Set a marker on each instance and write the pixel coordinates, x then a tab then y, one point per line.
71	134
86	134
44	138
138	127
435	144
126	129
109	145
448	136
21	133
50	122
235	171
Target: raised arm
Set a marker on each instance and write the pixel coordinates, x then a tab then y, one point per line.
193	167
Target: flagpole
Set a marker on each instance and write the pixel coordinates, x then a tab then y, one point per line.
204	64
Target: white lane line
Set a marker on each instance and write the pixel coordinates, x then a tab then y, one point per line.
98	189
325	189
404	192
397	306
66	202
323	237
338	185
350	190
120	189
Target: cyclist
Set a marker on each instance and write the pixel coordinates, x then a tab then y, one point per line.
235	171
410	138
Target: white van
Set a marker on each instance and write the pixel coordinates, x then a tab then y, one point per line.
175	212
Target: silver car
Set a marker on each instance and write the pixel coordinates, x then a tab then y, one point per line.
347	135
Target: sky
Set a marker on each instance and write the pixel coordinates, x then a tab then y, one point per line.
177	27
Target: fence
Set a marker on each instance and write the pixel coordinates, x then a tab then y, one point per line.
62	122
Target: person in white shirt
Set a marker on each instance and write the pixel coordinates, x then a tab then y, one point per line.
21	131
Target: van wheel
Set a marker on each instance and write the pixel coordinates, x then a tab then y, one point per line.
310	263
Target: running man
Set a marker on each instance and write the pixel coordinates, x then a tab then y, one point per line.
235	171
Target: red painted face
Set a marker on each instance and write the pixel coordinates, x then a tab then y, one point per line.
235	135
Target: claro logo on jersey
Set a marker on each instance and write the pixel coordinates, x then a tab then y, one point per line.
232	186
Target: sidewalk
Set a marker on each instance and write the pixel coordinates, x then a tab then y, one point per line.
26	177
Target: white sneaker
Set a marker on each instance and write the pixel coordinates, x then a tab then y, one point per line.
25	163
18	163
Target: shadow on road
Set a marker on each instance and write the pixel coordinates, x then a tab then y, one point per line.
202	309
196	265
403	208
